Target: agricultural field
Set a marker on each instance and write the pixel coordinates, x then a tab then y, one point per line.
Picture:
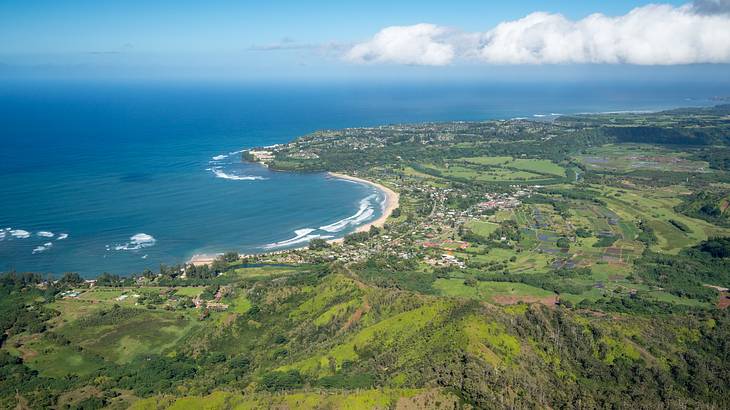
495	169
540	166
632	157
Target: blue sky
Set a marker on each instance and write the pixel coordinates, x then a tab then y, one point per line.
284	38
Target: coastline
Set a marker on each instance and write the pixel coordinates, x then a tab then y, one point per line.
392	201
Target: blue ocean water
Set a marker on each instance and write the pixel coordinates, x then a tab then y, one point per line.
121	177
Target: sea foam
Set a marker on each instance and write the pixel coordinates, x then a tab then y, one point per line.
220	157
46	246
138	241
45	234
19	233
363	213
302	236
220	174
62	236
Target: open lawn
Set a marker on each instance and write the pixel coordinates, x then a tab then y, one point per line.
52	360
482	228
101	294
540	166
523	172
190	291
143	331
496	292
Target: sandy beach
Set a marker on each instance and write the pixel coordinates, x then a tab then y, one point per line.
203	259
392	200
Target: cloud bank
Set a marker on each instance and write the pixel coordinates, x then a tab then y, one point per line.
650	35
421	44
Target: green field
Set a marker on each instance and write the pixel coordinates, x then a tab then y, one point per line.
482	228
539	166
499	292
143	331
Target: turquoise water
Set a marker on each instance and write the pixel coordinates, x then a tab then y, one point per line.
122	177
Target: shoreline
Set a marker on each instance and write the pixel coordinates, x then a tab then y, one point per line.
392	201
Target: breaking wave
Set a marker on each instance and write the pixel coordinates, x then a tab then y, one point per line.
46	246
363	213
138	241
19	233
218	172
10	233
302	236
220	157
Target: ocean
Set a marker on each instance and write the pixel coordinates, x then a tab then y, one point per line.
119	177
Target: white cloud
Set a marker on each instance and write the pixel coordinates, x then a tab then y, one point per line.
421	44
648	35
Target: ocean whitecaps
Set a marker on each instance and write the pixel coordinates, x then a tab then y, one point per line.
220	174
138	241
220	157
62	236
45	234
46	246
19	233
364	212
302	236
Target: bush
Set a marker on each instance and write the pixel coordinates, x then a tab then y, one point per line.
563	243
274	381
583	233
717	247
318	243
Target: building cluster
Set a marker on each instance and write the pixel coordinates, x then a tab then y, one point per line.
503	200
262	156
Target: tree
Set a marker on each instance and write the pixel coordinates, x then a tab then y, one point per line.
71	279
276	380
583	233
107	279
219	265
318	243
231	256
563	243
